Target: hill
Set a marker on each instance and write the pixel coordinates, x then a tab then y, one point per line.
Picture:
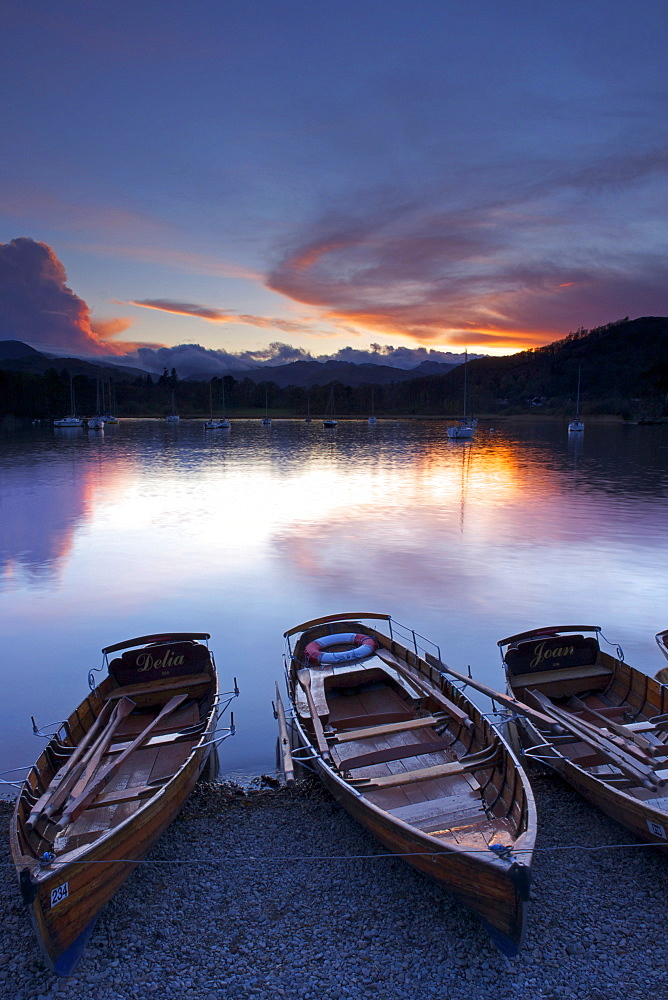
15	356
623	366
306	374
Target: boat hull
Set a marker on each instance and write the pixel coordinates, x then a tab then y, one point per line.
94	880
497	893
67	892
495	888
617	686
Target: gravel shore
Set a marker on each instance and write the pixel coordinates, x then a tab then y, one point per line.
285	909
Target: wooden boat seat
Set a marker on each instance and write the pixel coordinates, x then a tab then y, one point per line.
124	795
393	727
361	721
476	762
167	684
543	677
393	753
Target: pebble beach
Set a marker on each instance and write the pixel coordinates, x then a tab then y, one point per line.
270	893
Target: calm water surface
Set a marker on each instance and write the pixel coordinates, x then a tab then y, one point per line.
147	527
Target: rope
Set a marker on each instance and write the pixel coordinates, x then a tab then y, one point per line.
254	858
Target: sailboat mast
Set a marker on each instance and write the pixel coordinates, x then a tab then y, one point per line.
466	355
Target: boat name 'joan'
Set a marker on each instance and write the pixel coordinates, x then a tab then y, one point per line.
549	654
146	662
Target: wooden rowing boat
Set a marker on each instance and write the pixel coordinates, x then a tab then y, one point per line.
662	642
609	732
109	782
415	762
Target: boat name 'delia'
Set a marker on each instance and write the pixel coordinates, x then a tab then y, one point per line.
549	654
146	662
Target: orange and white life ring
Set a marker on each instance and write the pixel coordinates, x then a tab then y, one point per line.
363	646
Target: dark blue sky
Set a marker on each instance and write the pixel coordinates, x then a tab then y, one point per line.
323	174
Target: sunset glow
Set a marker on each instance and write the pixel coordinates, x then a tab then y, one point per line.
288	191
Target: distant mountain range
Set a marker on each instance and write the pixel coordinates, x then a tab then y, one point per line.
304	374
622	367
19	357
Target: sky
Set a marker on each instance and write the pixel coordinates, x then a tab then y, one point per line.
267	180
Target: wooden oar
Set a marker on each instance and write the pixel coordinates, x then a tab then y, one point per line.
480	761
123	708
304	678
284	741
75	808
63	779
592	736
642	744
519	707
425	685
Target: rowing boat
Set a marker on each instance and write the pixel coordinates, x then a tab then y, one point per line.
608	735
110	780
662	642
414	761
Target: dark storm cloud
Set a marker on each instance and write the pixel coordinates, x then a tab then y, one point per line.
37	306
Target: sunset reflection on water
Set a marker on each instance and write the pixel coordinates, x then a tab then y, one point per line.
246	533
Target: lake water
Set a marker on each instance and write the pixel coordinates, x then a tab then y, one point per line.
149	527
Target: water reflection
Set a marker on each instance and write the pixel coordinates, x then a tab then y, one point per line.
152	526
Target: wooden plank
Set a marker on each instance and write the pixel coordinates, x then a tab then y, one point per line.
476	763
345	618
183	718
440	812
393	753
395	727
124	795
304	678
166	684
566	673
284	741
169	760
77	807
378	719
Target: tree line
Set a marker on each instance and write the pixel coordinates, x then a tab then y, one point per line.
623	369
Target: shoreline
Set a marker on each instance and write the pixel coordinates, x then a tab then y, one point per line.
267	893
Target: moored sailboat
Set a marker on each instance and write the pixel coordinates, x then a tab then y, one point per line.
216	423
465	427
329	419
576	425
72	420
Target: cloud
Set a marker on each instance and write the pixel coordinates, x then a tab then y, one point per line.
215	315
515	264
193	359
37	306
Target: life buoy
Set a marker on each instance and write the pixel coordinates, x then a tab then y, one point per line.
364	646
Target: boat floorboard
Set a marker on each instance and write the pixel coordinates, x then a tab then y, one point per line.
451	792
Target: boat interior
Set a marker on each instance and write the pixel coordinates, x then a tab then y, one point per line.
115	752
413	751
621	714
